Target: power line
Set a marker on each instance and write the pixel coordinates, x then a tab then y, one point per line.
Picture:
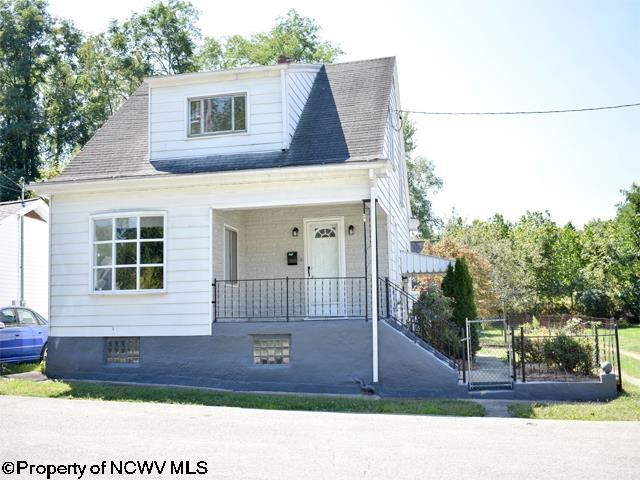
526	112
11	180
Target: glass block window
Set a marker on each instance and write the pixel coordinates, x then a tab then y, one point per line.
123	350
218	114
269	350
128	253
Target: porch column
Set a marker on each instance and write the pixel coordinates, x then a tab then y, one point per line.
374	275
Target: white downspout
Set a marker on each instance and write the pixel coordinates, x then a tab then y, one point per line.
374	275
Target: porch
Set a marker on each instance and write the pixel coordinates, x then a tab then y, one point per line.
296	263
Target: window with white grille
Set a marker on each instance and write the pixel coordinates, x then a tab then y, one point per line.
128	252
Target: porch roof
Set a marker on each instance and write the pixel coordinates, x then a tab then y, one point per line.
417	263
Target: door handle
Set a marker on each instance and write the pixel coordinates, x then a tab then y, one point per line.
309	272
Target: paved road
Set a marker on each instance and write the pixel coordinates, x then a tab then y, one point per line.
240	443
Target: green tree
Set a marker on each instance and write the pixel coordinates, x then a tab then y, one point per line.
33	45
626	271
457	284
423	183
293	36
159	41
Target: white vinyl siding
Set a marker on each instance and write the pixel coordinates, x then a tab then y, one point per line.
393	189
36	265
170	115
298	89
191	240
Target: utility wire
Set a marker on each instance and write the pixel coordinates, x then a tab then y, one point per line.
11	180
529	112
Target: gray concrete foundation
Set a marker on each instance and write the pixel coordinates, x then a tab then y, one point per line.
326	357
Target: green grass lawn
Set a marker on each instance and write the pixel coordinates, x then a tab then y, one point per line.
625	407
630	342
630	339
91	391
11	368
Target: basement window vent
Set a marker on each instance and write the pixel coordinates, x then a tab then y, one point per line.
123	350
271	350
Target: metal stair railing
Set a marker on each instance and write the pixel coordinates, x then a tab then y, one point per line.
440	336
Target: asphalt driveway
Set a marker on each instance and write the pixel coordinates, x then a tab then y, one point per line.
241	443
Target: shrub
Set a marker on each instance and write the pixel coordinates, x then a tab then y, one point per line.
432	312
568	353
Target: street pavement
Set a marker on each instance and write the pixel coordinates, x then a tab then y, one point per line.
247	444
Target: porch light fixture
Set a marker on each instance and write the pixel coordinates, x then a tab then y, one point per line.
351	229
294	232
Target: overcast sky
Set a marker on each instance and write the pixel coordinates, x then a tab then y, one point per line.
483	56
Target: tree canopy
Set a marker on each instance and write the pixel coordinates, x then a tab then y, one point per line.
537	266
58	85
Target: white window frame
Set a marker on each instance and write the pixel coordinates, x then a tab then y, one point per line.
229	281
204	134
92	243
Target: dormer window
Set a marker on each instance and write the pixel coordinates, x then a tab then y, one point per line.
217	114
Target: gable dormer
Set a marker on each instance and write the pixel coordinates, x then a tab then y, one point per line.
249	110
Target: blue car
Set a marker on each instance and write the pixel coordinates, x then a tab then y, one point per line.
23	335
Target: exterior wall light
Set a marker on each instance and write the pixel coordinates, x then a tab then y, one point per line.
351	229
294	232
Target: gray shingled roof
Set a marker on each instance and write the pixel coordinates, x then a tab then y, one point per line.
10	208
344	120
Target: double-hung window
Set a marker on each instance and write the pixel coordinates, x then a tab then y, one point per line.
128	252
217	114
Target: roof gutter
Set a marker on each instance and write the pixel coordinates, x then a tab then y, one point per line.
208	179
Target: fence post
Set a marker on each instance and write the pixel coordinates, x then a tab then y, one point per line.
286	298
386	290
615	329
597	345
215	301
513	354
464	364
524	379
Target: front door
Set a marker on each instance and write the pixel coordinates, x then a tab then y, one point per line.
323	267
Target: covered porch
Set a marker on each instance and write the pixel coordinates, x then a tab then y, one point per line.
293	263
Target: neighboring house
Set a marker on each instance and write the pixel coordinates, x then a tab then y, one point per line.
241	229
27	286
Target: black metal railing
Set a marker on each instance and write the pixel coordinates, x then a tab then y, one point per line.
289	299
402	309
575	354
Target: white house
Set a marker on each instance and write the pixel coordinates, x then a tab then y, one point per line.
242	229
24	277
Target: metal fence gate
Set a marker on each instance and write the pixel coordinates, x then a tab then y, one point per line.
489	356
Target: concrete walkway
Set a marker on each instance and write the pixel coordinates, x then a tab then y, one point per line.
34	376
264	444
